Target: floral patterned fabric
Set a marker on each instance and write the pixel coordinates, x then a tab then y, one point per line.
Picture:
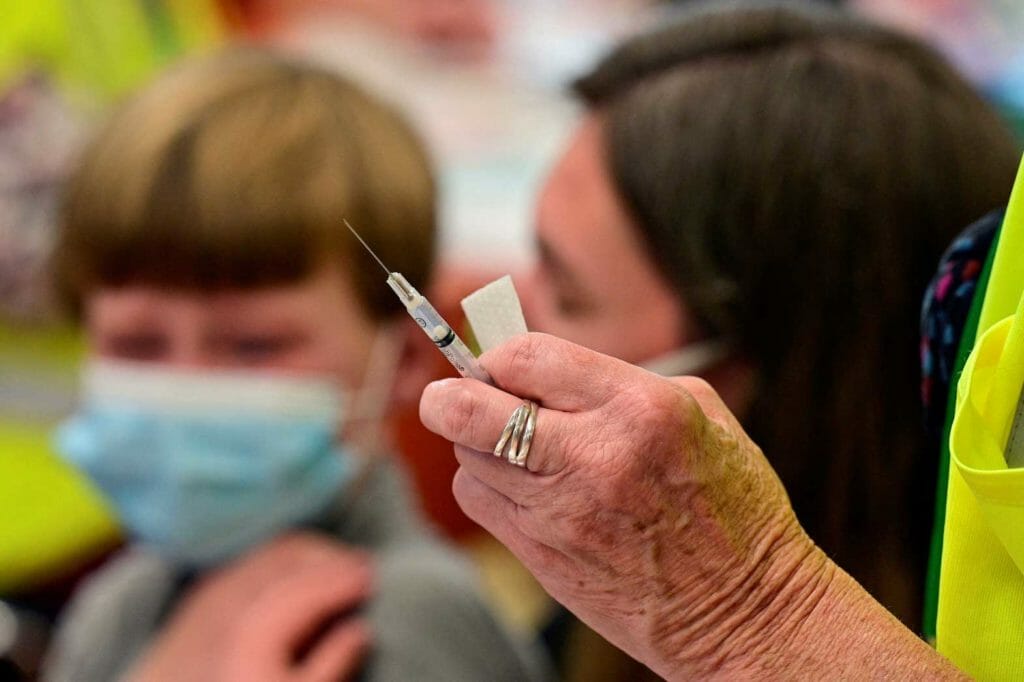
947	303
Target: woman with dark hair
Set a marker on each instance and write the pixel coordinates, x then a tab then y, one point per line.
759	196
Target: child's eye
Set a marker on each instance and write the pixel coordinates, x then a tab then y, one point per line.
145	347
258	349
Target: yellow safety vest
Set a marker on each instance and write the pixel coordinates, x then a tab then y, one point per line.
980	623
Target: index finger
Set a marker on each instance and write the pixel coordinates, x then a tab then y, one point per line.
473	414
554	372
281	619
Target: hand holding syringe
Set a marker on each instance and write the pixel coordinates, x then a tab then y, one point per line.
431	322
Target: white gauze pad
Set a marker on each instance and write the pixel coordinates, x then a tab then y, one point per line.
494	313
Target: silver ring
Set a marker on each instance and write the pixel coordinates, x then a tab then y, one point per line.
527	441
506	433
517	433
517	436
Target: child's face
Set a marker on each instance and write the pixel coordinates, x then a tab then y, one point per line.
312	327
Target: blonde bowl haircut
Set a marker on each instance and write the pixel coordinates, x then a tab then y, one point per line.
235	171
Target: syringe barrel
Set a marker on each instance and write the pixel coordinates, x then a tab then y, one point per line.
447	341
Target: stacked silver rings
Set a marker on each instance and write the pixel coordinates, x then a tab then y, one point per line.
516	438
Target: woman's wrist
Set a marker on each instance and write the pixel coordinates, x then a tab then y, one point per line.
822	624
801	615
732	631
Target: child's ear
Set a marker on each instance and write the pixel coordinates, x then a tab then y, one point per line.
419	364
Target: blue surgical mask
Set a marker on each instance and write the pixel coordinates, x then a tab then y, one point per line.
202	466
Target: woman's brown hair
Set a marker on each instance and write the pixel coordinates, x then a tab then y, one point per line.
236	171
796	174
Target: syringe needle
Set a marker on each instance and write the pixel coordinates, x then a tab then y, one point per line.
366	246
430	321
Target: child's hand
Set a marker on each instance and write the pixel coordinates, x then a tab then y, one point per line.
279	613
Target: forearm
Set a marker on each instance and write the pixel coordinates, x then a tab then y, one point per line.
850	634
826	626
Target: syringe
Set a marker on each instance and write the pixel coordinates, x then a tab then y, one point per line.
431	322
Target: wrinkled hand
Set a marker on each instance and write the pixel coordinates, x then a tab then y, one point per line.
253	620
646	509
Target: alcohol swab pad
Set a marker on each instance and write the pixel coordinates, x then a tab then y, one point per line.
494	313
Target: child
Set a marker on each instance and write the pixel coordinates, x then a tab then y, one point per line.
243	349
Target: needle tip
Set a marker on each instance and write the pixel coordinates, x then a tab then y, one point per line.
365	245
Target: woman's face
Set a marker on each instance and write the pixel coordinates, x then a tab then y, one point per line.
314	326
593	282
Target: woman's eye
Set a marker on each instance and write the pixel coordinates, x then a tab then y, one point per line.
571	306
141	347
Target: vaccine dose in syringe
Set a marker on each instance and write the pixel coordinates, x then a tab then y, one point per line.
431	322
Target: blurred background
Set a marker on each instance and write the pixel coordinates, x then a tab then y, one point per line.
483	80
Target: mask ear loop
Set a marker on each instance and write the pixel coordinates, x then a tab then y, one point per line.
367	406
365	409
690	359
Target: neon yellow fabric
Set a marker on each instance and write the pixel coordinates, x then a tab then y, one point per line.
50	517
1007	281
30	32
981	593
99	49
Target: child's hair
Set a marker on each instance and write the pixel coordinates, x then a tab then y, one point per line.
236	171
